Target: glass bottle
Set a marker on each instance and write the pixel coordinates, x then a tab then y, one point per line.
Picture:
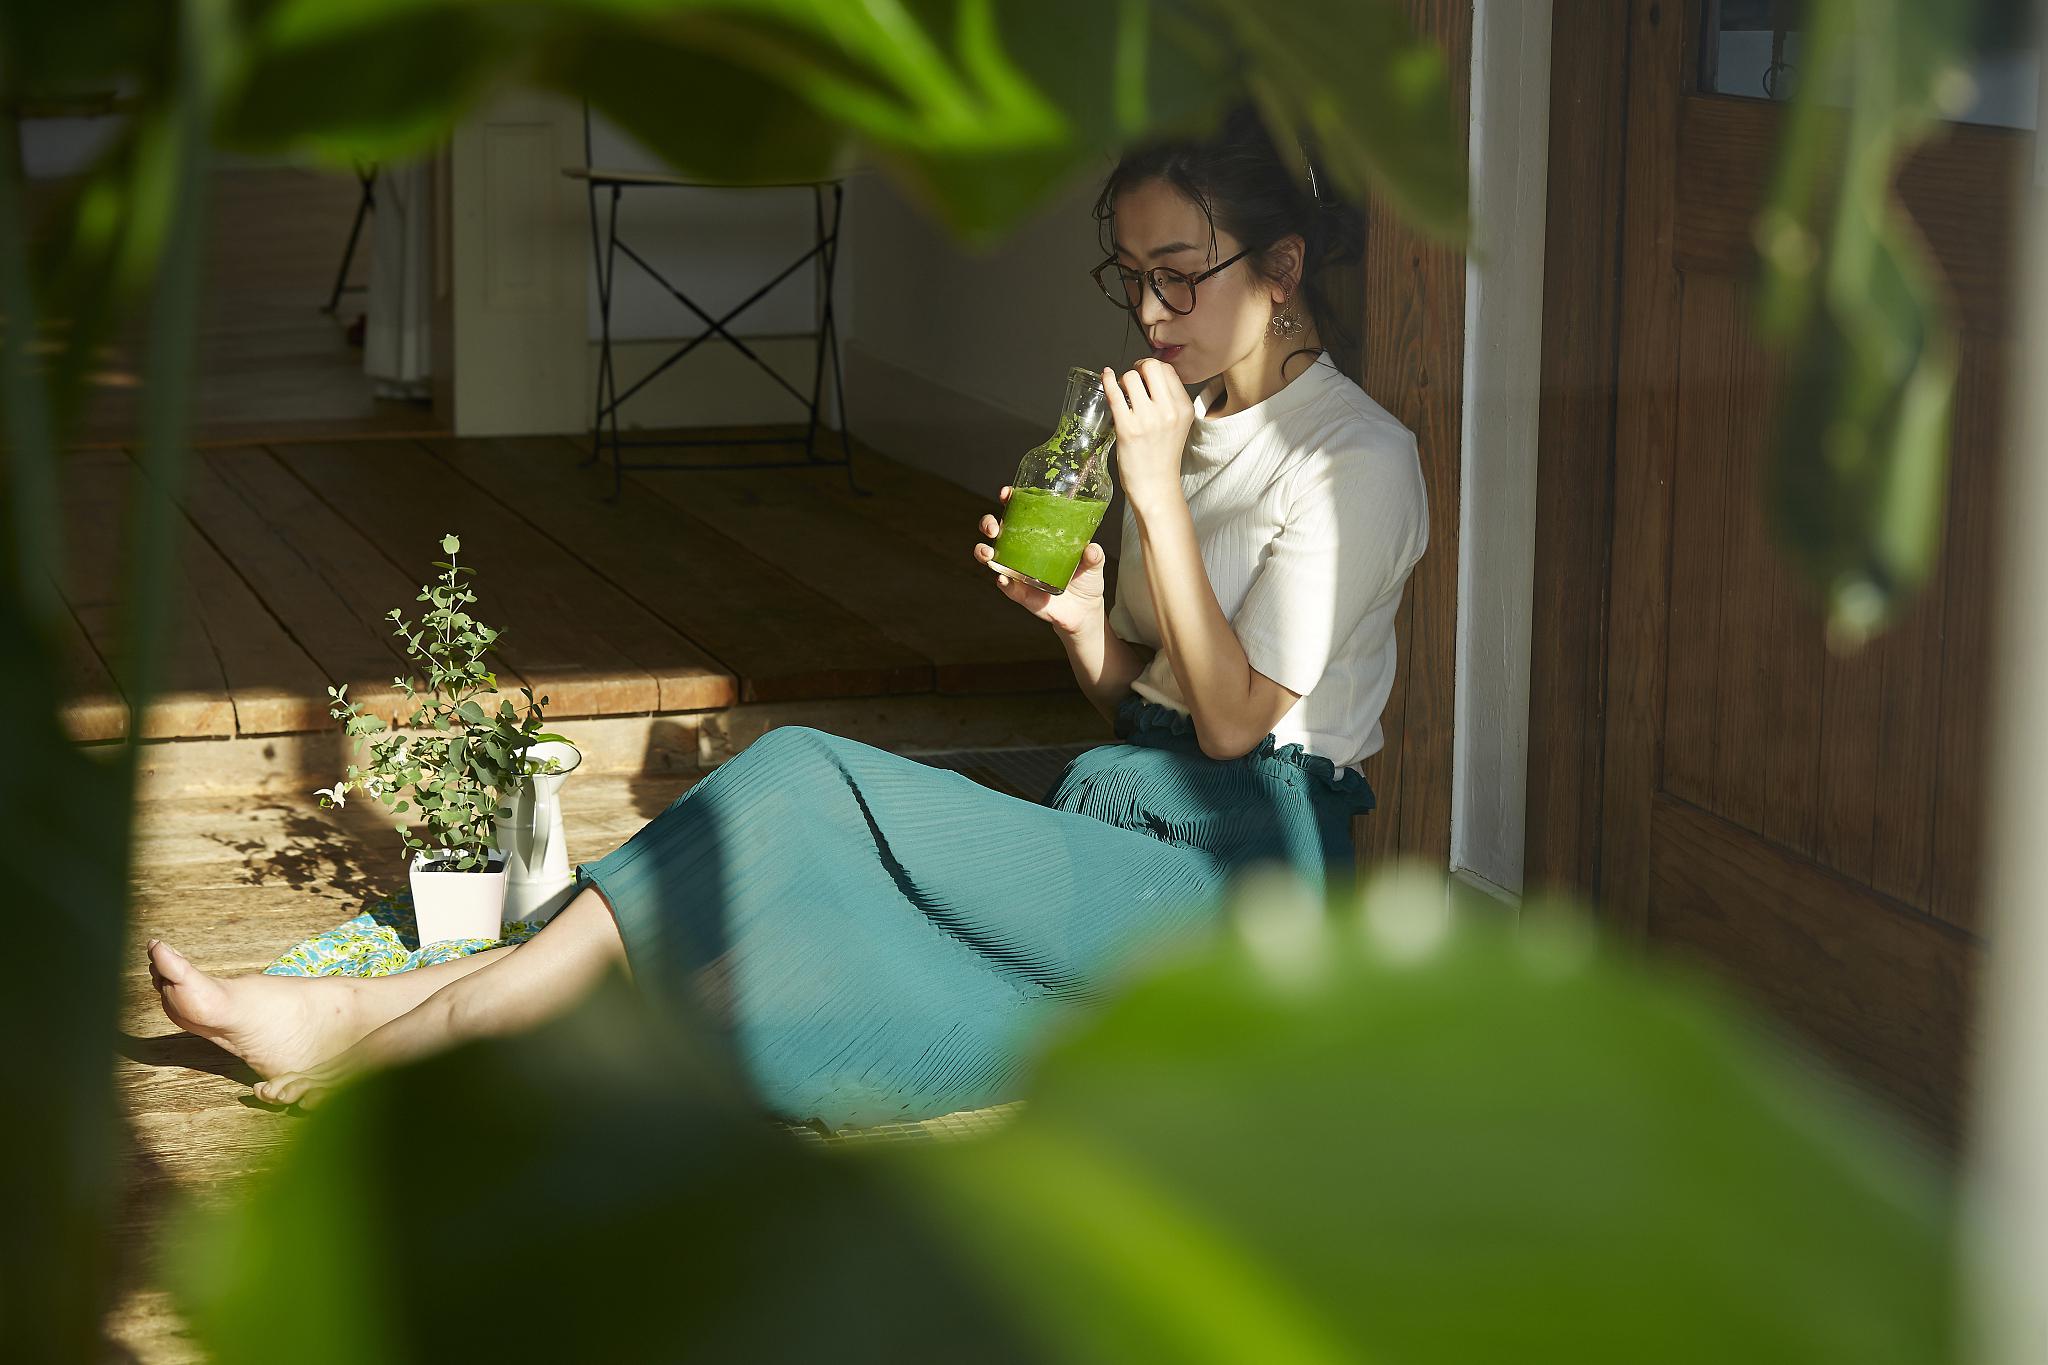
1061	490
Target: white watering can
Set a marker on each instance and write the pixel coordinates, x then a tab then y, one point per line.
538	882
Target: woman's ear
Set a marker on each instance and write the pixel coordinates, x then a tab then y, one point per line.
1287	256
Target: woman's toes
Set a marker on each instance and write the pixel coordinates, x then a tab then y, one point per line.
193	1000
301	1088
168	961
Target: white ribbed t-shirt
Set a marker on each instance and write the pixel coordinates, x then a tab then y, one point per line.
1310	511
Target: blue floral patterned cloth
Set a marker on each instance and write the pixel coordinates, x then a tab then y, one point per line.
384	939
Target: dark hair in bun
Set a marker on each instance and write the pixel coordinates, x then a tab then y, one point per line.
1243	185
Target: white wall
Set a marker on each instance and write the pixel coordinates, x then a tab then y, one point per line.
959	358
717	246
1002	327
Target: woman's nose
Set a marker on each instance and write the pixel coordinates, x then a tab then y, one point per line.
1150	310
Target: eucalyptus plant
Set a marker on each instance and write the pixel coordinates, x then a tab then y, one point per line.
458	760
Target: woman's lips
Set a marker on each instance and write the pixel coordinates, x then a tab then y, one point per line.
1166	352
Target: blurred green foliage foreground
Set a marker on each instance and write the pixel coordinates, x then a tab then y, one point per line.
1405	1134
1325	1146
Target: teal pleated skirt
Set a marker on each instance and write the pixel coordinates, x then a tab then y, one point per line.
884	941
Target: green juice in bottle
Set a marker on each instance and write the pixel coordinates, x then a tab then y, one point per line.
1061	491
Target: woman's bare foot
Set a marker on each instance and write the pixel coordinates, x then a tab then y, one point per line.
278	1025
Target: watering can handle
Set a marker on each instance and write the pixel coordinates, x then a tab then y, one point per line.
543	823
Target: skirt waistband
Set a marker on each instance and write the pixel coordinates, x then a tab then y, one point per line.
1155	726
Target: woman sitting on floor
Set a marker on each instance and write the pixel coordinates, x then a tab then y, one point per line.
885	941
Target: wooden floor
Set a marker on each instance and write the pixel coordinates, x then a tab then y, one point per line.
694	592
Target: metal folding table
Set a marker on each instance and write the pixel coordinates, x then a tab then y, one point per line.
607	247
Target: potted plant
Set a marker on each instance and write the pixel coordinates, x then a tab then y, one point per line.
460	764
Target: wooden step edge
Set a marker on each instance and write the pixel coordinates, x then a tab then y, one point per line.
292	767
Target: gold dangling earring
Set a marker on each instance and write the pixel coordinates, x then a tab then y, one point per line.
1287	323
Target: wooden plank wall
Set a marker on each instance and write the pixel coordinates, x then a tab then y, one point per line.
1414	365
1575	443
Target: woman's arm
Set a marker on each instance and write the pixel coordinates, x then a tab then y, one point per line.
1234	705
1104	663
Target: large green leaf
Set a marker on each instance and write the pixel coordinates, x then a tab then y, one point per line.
600	1190
1356	1139
1850	290
665	94
1374	96
982	109
382	80
1323	1138
69	812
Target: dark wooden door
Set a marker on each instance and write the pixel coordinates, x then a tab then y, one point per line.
1803	822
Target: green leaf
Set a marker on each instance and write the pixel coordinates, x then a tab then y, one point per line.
1333	1138
635	1125
1851	293
1375	97
1317	1138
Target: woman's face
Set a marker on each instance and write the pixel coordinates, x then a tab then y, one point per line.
1156	225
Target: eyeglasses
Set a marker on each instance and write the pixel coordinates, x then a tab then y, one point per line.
1173	288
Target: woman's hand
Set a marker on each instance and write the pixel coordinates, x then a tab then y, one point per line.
1070	612
1152	412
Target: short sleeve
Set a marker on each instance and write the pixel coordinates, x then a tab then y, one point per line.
1357	520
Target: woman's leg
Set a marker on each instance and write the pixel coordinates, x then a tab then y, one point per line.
281	1023
548	973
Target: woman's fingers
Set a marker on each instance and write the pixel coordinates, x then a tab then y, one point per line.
1147	372
1004	496
1135	390
1113	393
1031	599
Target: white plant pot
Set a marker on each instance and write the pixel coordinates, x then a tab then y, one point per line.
457	904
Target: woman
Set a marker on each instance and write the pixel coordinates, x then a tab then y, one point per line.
884	940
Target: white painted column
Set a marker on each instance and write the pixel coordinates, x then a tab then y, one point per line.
1510	134
2006	1273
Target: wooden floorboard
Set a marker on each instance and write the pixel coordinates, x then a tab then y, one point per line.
699	591
977	640
782	640
328	584
573	636
191	696
275	685
94	708
953	532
